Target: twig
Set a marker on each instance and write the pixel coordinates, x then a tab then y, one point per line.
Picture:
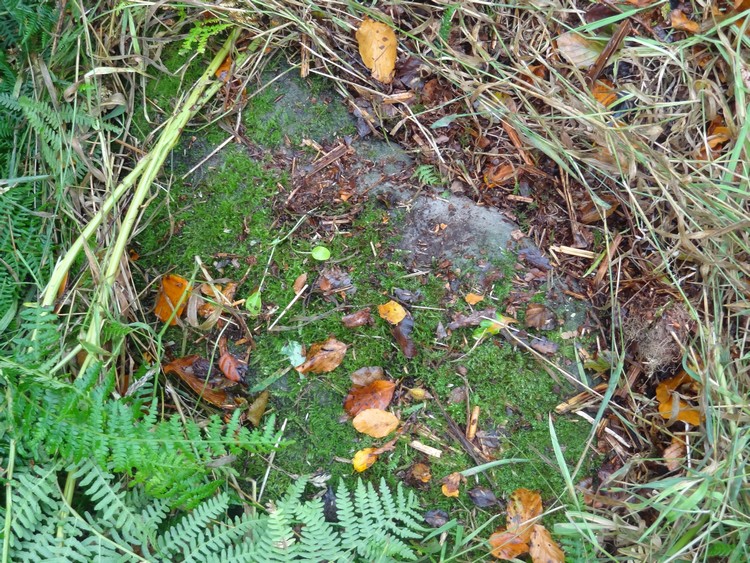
289	306
270	462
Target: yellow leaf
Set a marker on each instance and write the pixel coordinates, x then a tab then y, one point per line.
524	506
665	396
543	549
375	422
451	484
377	47
392	312
473	298
364	459
173	290
680	21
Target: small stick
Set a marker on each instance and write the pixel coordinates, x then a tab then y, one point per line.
289	306
614	43
425	449
473	423
270	462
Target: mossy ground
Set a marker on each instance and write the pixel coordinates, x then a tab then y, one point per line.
232	209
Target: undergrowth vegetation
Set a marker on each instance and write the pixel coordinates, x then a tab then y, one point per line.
103	457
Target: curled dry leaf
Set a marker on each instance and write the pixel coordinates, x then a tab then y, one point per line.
451	484
718	136
604	91
482	497
392	312
538	316
255	411
360	318
173	290
183	368
542	548
420	472
461	321
679	410
580	51
377	47
375	395
364	459
232	367
674	454
299	283
323	357
681	22
375	422
402	333
473	298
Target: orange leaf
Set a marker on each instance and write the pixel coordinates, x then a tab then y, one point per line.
604	93
680	21
173	290
323	357
543	549
392	312
473	298
364	459
375	395
366	375
233	368
375	422
360	318
299	283
665	396
183	368
421	472
507	545
523	507
222	73
674	454
451	484
377	47
499	175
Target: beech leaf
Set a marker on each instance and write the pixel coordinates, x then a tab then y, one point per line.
377	47
542	548
375	422
323	357
364	459
375	395
173	293
580	51
392	312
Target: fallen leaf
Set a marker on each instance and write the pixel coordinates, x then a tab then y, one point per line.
406	296
499	175
674	455
461	321
507	545
451	484
323	357
542	548
366	375
375	422
482	497
419	394
172	290
376	395
334	280
221	295
392	312
377	47
489	326
524	506
436	518
255	411
402	333
604	91
360	318
682	411
299	283
580	51
364	459
473	298
544	346
232	367
538	316
718	135
681	22
184	369
420	472
295	352
223	72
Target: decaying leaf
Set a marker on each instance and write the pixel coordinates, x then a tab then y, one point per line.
436	517
473	298
366	375
377	47
538	316
682	22
173	290
392	312
604	91
375	422
183	368
360	318
580	51
523	507
222	295
323	357
299	283
255	411
461	321
679	410
334	280
451	484
375	395
718	136
402	334
482	497
542	548
420	472
499	175
674	454
364	459
232	367
507	545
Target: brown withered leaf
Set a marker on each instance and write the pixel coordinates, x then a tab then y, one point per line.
375	395
357	319
255	411
544	346
461	321
420	472
680	21
451	484
376	423
482	497
232	367
538	316
507	545
183	368
524	506
323	357
393	312
172	289
402	334
542	548
674	454
366	375
299	283
334	280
